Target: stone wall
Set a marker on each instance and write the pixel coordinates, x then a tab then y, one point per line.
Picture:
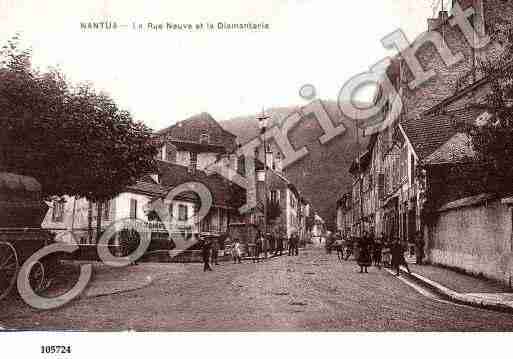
475	237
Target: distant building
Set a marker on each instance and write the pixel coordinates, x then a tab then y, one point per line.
420	173
345	215
68	215
197	142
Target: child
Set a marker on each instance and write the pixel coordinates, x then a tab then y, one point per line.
237	251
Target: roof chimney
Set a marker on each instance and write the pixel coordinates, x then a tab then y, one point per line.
278	163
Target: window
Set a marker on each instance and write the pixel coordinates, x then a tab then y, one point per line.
194	160
58	211
274	196
106	208
171	207
204	138
183	214
133	209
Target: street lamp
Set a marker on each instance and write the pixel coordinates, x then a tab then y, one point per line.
262	123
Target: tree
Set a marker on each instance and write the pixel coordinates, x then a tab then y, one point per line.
493	141
74	140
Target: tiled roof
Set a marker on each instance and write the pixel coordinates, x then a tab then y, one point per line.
458	149
149	188
224	192
191	129
427	133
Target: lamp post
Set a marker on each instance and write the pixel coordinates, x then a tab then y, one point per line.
262	122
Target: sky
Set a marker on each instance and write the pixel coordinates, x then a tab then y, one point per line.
163	77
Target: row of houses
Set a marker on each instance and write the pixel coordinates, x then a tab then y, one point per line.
188	149
420	173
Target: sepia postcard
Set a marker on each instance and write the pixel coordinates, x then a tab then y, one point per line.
265	166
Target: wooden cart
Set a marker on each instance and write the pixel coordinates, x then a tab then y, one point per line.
21	235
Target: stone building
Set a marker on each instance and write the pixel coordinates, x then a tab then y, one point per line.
345	215
393	188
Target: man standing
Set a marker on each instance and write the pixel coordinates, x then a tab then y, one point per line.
279	245
265	244
397	251
294	244
419	247
257	248
215	251
205	252
364	253
291	244
272	243
377	249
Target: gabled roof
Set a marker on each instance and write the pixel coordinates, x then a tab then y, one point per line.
191	129
427	133
147	186
224	193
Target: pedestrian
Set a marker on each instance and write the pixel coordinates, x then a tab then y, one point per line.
257	248
338	245
272	243
205	252
214	252
377	251
349	246
296	243
237	251
398	259
419	247
279	245
293	244
329	242
364	253
264	244
386	259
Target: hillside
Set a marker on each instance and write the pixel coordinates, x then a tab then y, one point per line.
322	176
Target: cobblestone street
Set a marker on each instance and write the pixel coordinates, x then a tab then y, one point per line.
313	291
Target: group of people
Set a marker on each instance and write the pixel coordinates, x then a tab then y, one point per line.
369	251
261	248
264	245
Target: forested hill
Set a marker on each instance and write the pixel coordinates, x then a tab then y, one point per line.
322	176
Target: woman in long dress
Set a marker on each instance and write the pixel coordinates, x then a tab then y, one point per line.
364	254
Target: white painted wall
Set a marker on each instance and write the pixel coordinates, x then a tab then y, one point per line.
291	213
183	158
206	159
477	239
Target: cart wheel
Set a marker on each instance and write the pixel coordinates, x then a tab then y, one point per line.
37	277
8	268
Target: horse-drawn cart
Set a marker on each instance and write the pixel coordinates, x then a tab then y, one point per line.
21	235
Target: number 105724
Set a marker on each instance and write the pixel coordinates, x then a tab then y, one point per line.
55	349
